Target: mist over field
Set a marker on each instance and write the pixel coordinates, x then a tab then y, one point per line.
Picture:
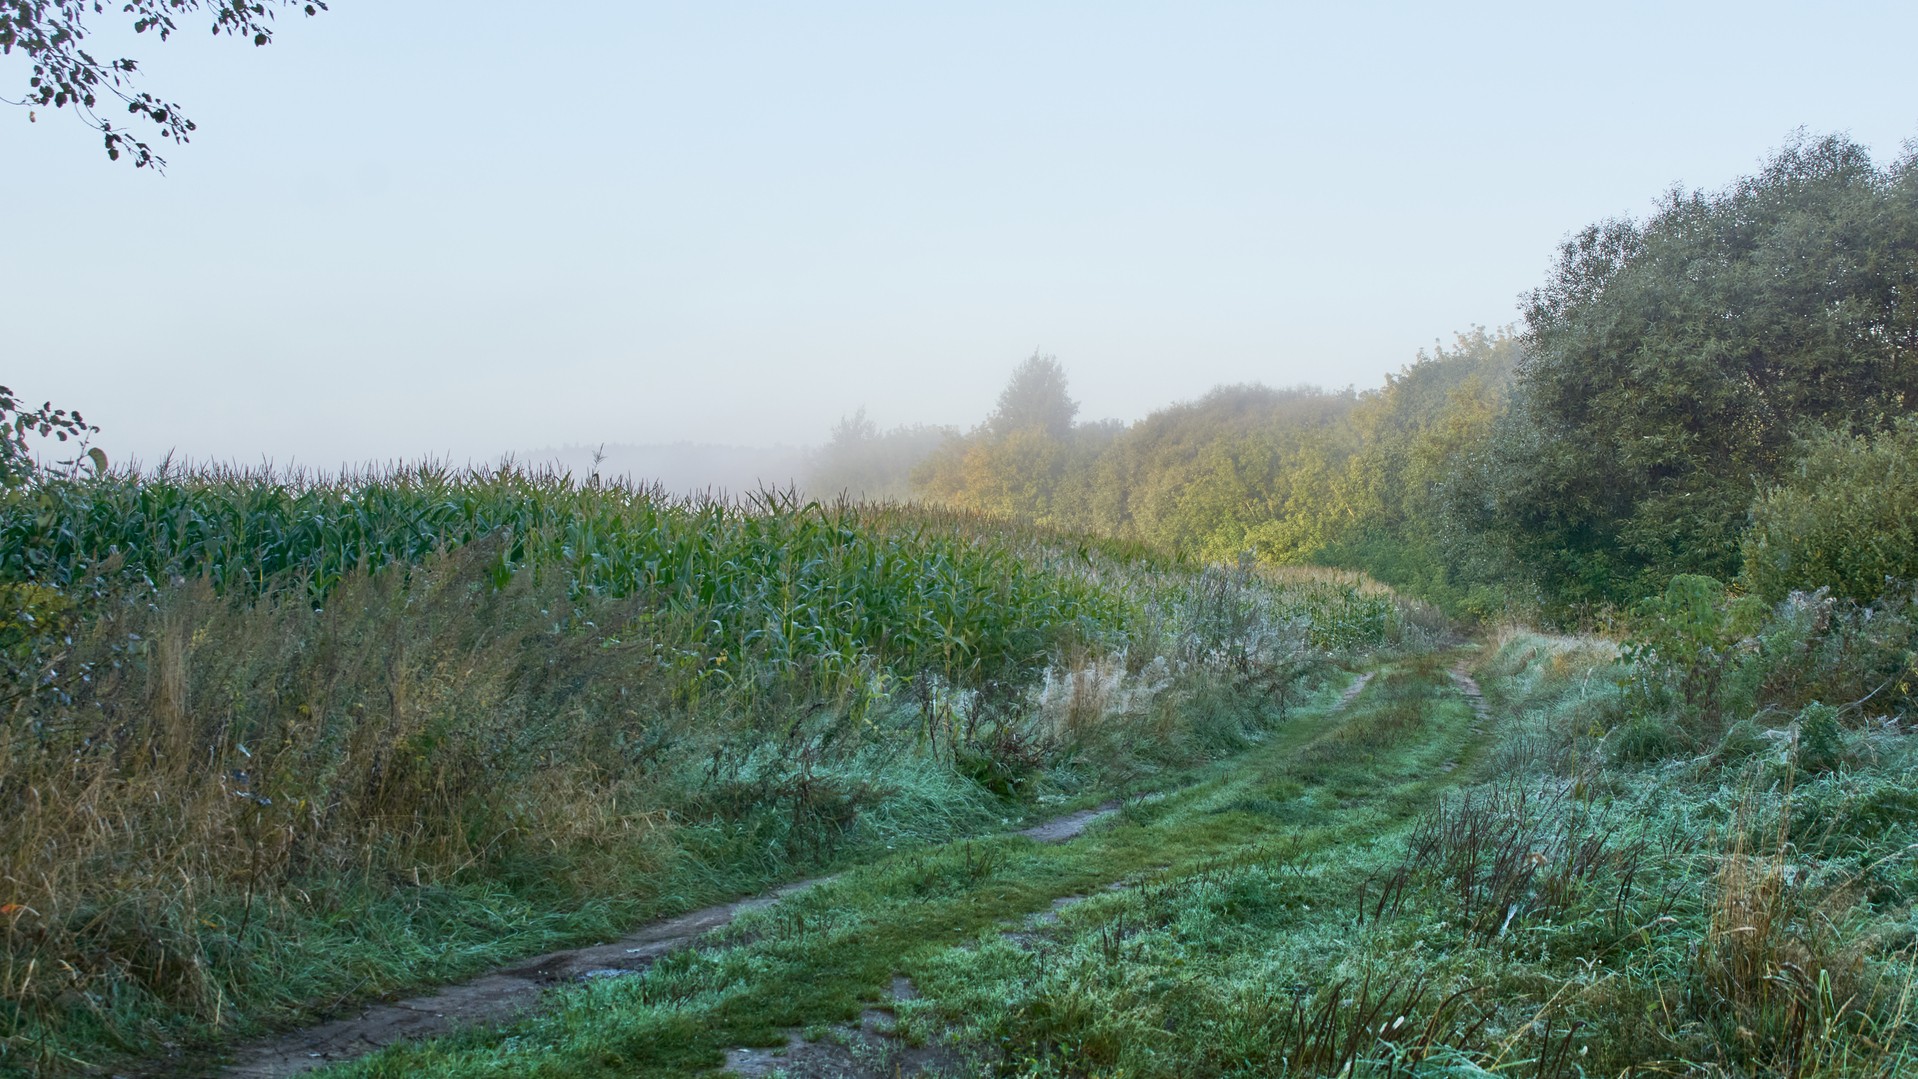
685	468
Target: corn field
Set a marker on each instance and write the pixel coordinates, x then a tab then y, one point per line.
822	589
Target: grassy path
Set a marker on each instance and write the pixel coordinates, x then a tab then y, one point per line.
505	993
937	925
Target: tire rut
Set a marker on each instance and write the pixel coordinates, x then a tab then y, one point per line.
514	989
1468	688
872	1048
1357	687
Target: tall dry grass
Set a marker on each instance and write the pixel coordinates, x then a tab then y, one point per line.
227	767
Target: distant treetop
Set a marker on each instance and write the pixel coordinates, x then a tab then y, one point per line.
1035	398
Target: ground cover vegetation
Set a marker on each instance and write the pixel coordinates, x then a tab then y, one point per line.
273	743
1575	907
1402	884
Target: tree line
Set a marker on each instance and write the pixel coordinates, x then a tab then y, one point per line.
1702	392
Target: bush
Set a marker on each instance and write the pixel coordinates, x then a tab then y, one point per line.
1643	739
1846	519
1702	659
1821	741
1813	647
1682	649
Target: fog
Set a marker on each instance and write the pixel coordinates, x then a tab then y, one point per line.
691	469
701	235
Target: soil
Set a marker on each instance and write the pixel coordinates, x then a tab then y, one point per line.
870	1049
1070	825
1357	687
1468	688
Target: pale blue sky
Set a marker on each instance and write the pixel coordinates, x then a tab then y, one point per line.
413	227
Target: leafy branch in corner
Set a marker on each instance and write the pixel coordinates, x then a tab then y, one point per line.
18	423
66	76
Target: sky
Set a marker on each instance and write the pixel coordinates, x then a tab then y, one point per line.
412	227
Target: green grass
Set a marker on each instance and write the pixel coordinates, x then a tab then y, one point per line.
935	915
1336	901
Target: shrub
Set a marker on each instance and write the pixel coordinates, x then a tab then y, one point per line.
1682	648
1642	739
1813	647
1821	741
1846	519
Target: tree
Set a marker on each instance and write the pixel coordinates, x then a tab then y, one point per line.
1409	490
1017	461
1236	469
1035	398
1671	365
64	75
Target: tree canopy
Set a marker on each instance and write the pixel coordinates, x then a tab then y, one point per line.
1035	399
1672	363
1670	371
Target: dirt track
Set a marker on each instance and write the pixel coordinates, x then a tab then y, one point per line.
511	990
